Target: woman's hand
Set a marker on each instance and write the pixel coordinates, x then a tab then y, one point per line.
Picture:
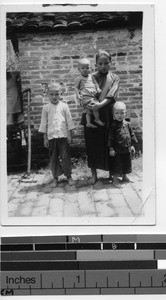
46	142
94	106
100	104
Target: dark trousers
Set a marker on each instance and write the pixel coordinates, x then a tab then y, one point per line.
59	153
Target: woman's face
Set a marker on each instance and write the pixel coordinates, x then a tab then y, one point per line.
103	64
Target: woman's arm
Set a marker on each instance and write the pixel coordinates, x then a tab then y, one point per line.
100	104
111	94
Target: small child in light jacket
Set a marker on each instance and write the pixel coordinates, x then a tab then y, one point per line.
56	126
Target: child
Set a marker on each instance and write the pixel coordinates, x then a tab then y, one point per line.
121	144
56	125
87	91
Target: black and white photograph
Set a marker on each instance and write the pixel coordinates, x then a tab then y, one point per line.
77	114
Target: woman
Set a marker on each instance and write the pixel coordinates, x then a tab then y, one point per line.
96	139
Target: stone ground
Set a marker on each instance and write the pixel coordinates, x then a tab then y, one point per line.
34	196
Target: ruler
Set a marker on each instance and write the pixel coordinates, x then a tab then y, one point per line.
83	265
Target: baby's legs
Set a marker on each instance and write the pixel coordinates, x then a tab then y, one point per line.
97	119
88	119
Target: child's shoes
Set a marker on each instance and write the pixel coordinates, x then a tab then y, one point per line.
71	181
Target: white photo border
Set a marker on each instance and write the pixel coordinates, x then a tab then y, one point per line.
149	191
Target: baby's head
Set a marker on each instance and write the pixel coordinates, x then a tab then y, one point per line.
54	92
119	111
84	66
103	61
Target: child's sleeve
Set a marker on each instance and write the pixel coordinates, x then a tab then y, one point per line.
69	119
111	136
44	121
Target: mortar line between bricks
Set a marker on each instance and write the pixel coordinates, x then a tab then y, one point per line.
139	198
136	191
128	204
78	202
27	193
19	183
64	205
48	207
142	206
11	196
33	206
92	195
110	198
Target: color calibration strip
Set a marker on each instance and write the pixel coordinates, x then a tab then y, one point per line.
83	265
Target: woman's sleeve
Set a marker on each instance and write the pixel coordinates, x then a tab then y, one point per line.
113	92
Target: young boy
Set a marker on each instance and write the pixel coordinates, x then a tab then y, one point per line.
56	125
87	92
121	143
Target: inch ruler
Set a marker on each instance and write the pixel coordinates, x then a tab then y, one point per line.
83	265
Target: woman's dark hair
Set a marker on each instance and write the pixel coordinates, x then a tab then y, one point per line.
103	53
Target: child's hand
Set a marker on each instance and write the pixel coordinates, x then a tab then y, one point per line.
79	98
98	94
95	106
112	152
46	143
132	150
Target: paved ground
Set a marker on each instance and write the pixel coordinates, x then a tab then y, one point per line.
35	197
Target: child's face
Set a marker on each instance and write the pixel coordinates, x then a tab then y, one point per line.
119	114
54	95
84	69
103	64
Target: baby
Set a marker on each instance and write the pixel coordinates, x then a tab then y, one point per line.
88	92
121	143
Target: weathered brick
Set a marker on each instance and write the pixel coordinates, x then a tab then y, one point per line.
121	54
135	72
49	56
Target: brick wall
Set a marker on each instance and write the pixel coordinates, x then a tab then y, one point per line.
47	56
